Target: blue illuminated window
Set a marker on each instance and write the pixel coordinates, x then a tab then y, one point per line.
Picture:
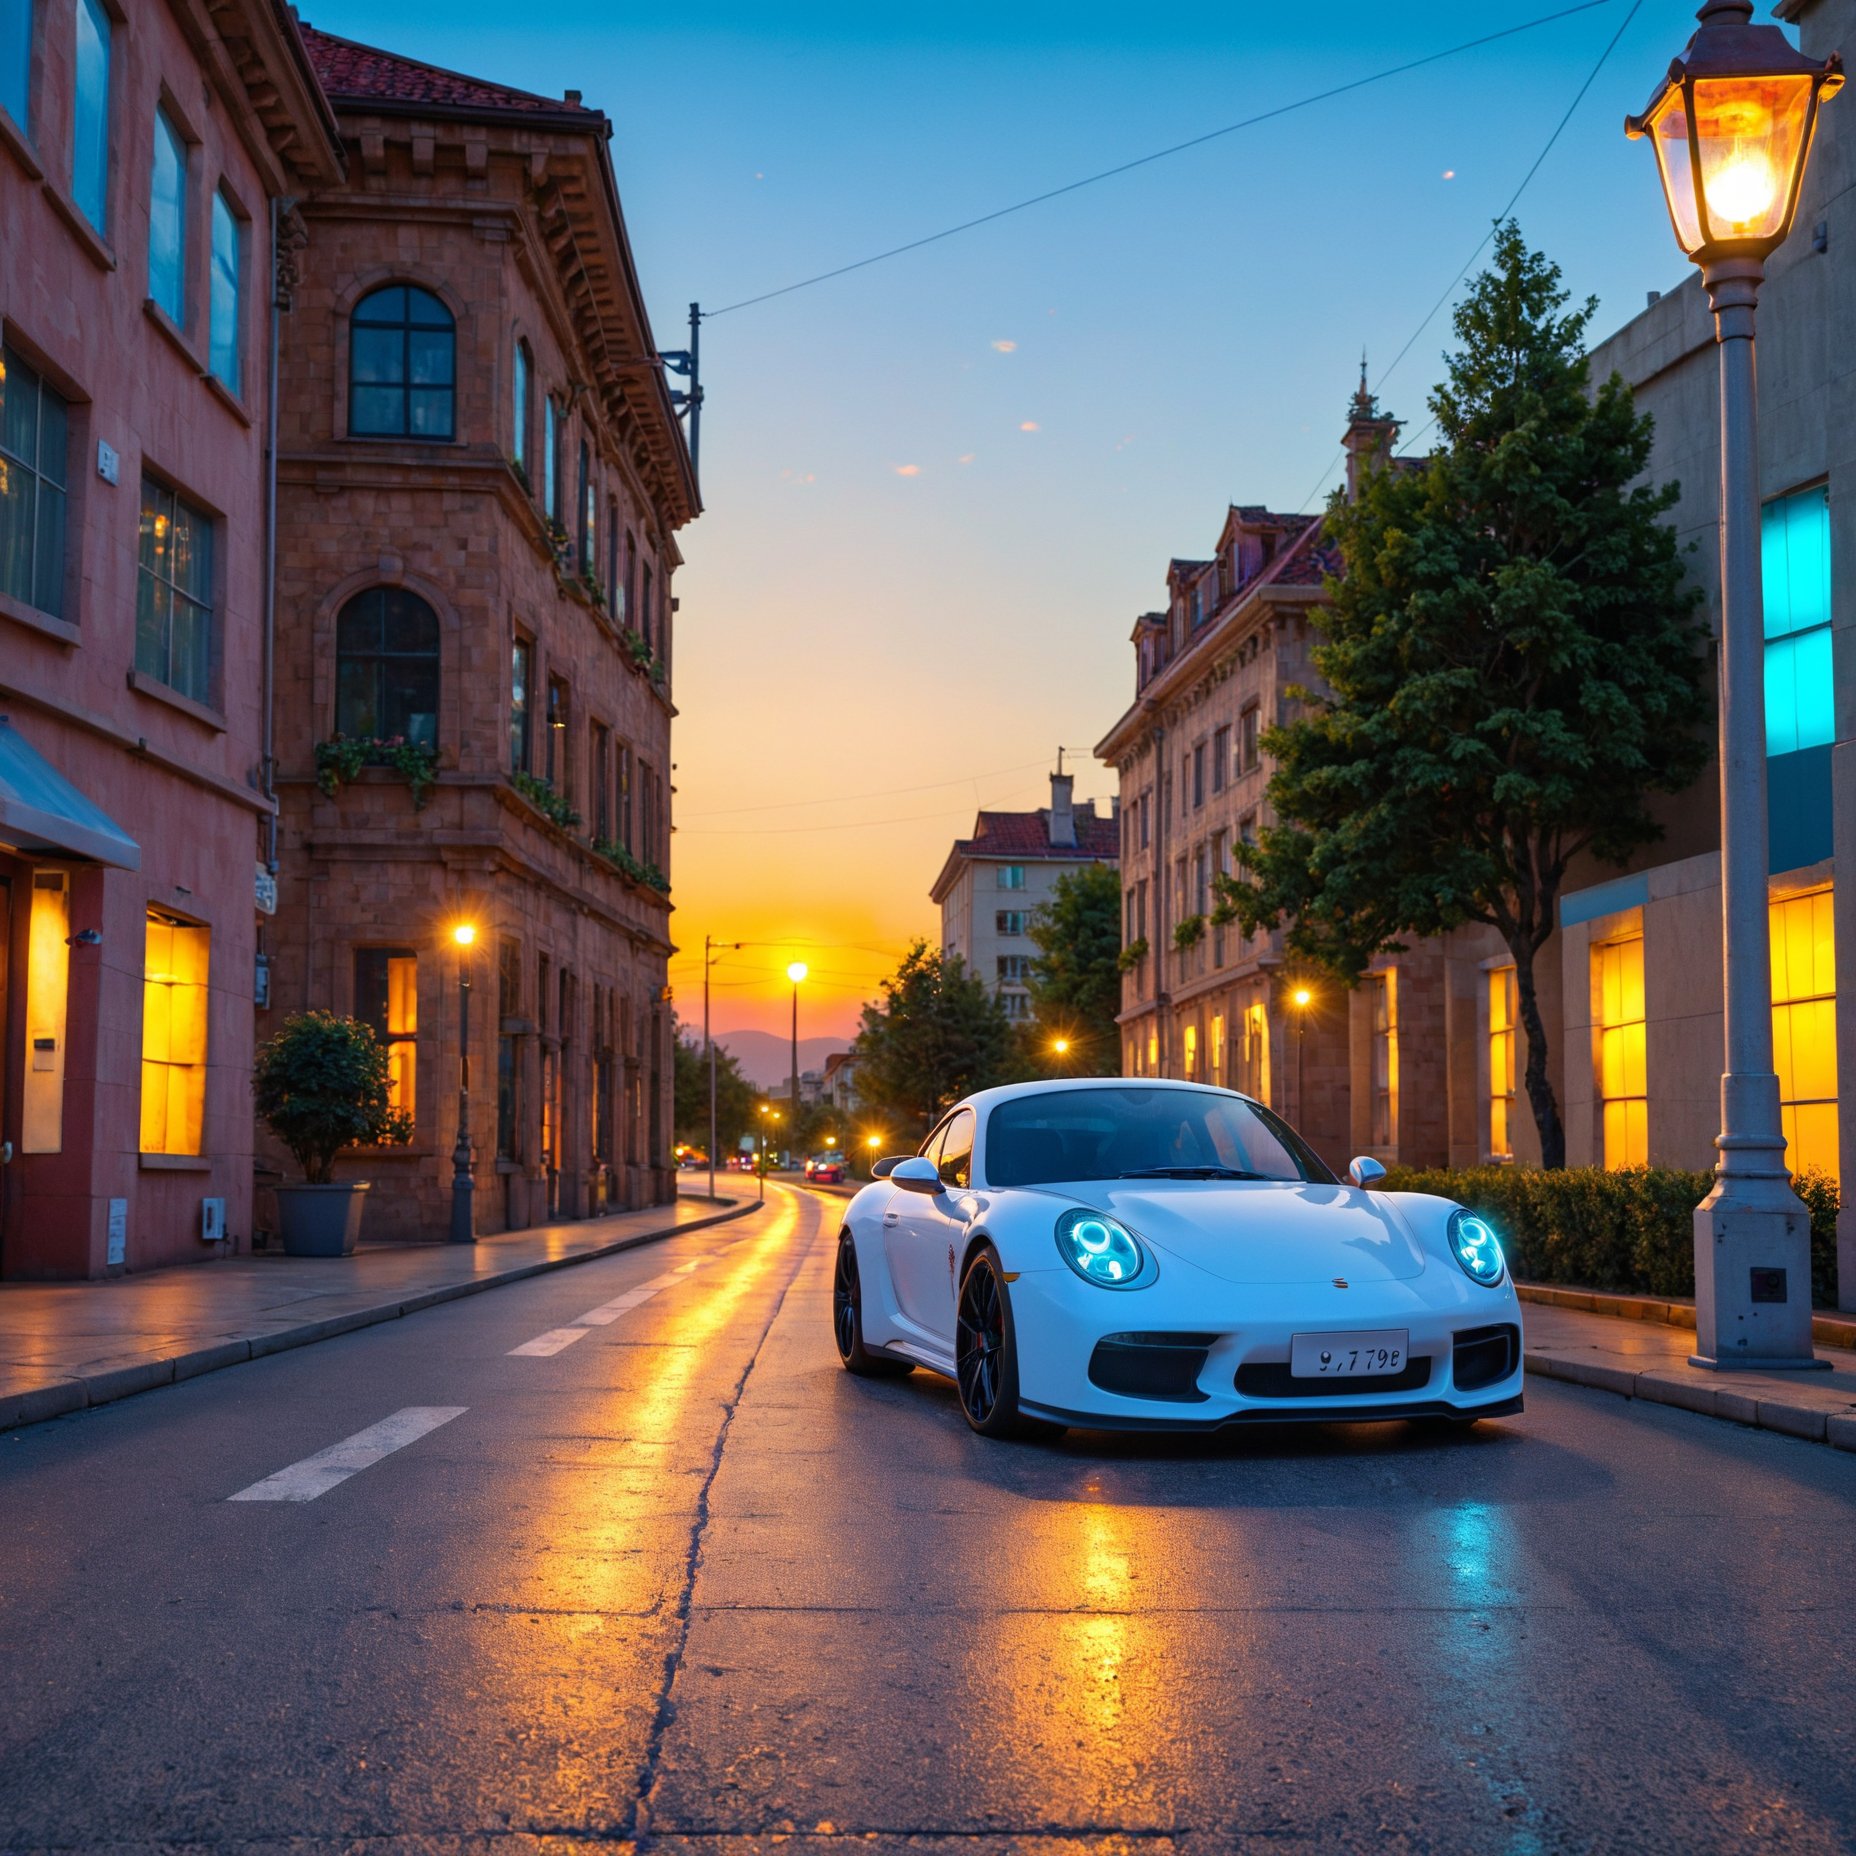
1795	550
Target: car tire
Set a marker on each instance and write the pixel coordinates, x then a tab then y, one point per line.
847	1321
986	1353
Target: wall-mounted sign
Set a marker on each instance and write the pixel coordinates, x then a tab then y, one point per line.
266	892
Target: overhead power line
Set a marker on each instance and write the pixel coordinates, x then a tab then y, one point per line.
1514	199
1161	154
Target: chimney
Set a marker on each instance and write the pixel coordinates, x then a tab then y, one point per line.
1062	811
1369	436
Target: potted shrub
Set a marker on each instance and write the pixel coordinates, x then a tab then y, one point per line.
322	1085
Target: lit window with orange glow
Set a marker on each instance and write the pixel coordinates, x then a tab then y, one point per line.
1385	1059
1623	1091
1190	1047
386	999
1804	1029
1215	1071
174	1001
1255	1056
1501	1063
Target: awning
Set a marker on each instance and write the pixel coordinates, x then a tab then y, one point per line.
42	812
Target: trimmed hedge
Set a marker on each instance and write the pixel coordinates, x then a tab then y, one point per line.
1631	1231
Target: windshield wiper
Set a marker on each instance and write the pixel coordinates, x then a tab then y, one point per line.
1188	1172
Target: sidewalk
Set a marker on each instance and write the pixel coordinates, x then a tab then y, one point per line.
1648	1359
64	1346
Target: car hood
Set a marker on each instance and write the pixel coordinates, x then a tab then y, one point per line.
1262	1231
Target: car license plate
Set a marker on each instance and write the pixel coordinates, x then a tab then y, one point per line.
1347	1356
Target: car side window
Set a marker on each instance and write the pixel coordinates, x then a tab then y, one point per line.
930	1149
955	1159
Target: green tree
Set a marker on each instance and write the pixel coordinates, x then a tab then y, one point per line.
1076	975
1512	660
735	1096
936	1034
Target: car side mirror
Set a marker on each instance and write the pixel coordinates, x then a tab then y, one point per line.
1365	1172
916	1174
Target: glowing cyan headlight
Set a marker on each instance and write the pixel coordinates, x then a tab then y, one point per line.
1100	1250
1477	1248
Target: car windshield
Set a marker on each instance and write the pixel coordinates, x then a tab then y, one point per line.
1130	1131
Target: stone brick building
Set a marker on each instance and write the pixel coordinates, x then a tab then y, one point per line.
992	883
1357	1072
141	156
481	479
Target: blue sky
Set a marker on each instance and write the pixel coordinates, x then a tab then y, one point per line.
940	490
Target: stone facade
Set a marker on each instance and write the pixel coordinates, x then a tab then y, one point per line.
155	405
538	676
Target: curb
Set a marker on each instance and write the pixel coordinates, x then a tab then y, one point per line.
62	1396
1820	1424
1826	1330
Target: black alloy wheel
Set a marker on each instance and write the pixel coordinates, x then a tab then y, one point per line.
847	1321
986	1351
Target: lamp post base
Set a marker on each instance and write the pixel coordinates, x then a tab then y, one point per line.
1753	1279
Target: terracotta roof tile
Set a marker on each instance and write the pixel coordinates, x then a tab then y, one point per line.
1027	835
351	72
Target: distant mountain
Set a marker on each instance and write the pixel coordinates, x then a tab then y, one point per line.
766	1058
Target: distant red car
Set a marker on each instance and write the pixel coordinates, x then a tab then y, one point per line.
827	1172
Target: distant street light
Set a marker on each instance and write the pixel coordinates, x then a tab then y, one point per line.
1731	125
708	960
463	1187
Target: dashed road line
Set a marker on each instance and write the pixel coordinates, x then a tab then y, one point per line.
556	1340
318	1474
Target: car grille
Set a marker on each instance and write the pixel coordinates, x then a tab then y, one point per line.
1273	1379
1160	1366
1485	1356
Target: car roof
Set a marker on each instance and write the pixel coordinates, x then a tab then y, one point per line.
983	1099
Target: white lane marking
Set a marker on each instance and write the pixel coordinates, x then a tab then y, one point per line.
316	1475
554	1341
608	1312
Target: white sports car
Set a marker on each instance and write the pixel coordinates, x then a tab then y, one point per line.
1130	1254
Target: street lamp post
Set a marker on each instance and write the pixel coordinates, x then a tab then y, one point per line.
1301	999
463	1187
796	972
1731	125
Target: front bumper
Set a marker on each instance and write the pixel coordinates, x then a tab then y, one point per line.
1464	1345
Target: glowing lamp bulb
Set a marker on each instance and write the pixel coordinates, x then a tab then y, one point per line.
797	971
1303	996
1742	192
464	934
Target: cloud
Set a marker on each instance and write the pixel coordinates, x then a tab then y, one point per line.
966	457
1449	173
908	470
1027	425
1004	347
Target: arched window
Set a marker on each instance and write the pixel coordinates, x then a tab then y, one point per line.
402	365
386	667
524	372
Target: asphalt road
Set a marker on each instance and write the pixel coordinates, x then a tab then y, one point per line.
682	1584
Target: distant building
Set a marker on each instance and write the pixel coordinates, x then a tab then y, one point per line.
993	882
838	1082
1200	1000
144	156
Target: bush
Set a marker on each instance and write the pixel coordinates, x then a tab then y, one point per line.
1630	1231
322	1084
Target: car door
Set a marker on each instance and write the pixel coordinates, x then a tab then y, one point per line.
925	1238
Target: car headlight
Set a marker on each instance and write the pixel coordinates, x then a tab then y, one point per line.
1101	1250
1474	1244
